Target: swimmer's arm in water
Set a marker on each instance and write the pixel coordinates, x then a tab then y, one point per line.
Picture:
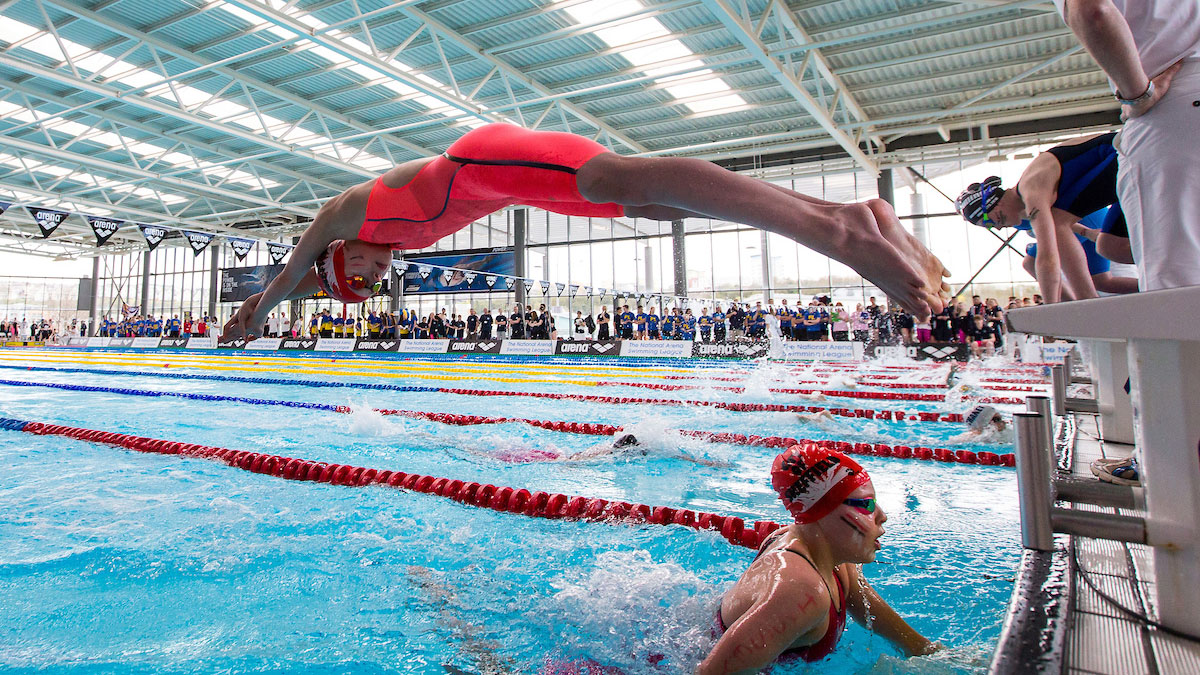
869	609
791	608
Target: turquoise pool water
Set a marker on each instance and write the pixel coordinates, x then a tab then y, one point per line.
117	561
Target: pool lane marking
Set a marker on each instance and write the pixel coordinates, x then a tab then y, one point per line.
585	428
505	499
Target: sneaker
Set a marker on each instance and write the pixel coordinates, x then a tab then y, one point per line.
1117	471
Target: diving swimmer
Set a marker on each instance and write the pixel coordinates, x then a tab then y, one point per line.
347	249
792	602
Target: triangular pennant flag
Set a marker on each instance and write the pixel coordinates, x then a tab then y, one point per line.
4	206
424	271
242	247
574	290
198	241
47	219
545	287
509	281
400	265
447	275
470	277
154	235
490	280
559	288
277	251
104	228
528	285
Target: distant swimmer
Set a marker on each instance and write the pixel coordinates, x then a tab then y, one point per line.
819	417
791	604
347	249
984	418
628	445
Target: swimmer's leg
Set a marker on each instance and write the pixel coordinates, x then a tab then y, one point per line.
866	236
1107	282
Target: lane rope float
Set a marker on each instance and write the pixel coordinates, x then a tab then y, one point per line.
504	499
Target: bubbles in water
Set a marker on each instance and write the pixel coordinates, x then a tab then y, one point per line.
365	421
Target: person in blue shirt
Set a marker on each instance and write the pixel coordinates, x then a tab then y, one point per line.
374	324
824	323
687	331
339	326
626	319
173	326
652	321
1098	267
704	323
785	319
668	326
640	320
812	322
718	324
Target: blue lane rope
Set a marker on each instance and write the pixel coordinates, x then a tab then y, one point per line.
12	425
176	375
194	397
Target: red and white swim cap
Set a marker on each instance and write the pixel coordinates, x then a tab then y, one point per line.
812	480
332	278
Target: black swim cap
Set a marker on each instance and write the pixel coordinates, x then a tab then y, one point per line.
979	198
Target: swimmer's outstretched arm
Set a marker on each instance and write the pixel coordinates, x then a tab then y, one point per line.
869	609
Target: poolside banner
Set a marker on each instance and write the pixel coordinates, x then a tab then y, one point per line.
235	343
299	344
475	346
921	351
734	350
589	347
1055	352
242	247
104	228
198	241
47	219
201	343
822	351
172	343
424	346
277	251
528	347
153	235
335	344
239	283
263	345
462	272
98	342
671	349
145	343
120	342
376	345
75	341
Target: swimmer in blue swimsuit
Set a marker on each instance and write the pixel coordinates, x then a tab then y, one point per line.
1059	188
1098	266
785	606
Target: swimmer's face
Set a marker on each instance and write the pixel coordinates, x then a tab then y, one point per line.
367	260
854	529
1007	212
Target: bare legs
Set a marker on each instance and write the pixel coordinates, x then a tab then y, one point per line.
868	236
1110	283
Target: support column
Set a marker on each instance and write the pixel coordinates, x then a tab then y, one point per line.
520	232
1110	367
397	294
887	188
213	280
679	258
296	308
920	226
1167	402
765	246
144	310
95	300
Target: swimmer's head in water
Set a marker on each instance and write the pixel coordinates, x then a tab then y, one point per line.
812	481
352	271
978	199
983	415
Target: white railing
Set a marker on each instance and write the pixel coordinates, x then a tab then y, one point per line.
1153	337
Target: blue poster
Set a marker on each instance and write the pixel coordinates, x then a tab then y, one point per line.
239	283
460	272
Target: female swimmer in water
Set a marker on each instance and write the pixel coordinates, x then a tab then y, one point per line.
347	249
793	600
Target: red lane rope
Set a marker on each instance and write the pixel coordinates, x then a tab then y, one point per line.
504	499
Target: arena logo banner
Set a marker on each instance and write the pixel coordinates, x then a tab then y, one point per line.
153	235
120	342
461	272
202	343
198	241
172	343
263	345
424	346
475	347
822	351
528	285
528	347
732	350
335	344
235	343
371	345
589	347
242	247
277	251
47	220
509	282
145	343
669	349
239	283
104	228
98	342
921	351
299	344
75	341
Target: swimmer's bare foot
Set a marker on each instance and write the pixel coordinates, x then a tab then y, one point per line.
861	244
937	291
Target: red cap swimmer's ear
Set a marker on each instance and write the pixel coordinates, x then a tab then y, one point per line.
812	481
330	267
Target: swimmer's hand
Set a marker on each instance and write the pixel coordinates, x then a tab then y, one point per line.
241	324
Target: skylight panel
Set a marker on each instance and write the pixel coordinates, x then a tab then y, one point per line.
12	31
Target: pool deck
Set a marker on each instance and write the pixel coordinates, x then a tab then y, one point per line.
1058	624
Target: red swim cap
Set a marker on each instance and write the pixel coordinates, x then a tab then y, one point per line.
332	278
812	481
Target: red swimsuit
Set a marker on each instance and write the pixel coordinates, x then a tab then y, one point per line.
489	168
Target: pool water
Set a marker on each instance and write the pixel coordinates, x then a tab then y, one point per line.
118	561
